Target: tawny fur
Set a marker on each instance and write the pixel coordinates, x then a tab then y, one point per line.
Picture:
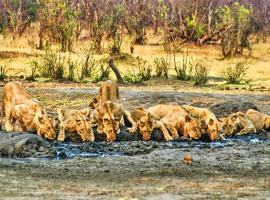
19	106
208	121
237	124
75	121
171	117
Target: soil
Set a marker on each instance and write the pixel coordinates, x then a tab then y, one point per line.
236	168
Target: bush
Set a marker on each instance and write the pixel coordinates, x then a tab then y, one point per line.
183	69
237	21
201	72
235	74
3	73
52	66
72	67
132	77
34	67
89	66
104	73
162	67
144	73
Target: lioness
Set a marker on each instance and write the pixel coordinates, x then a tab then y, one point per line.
108	91
75	121
208	121
108	116
260	120
162	116
237	123
19	106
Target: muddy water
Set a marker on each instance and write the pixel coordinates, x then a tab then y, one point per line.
236	168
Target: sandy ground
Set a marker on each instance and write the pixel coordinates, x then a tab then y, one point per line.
237	169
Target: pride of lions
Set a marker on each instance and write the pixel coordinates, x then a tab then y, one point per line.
107	114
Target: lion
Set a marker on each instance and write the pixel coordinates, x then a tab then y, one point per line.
75	121
108	117
108	92
261	121
237	124
171	117
19	106
208	121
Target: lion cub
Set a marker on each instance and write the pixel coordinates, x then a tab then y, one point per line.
108	91
75	121
237	124
171	117
208	121
260	120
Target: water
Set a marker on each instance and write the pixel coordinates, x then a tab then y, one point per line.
103	149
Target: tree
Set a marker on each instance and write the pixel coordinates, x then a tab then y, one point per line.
237	19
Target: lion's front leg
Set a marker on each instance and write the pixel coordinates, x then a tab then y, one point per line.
173	130
61	135
161	126
8	123
134	128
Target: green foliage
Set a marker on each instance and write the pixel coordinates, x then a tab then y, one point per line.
89	66
144	72
201	72
162	66
113	25
237	21
184	68
104	73
3	73
195	28
235	74
52	65
34	68
57	23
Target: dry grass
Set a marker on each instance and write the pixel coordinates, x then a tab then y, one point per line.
16	56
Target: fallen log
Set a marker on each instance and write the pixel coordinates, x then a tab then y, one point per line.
115	70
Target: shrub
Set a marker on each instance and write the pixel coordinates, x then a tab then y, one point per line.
72	67
34	67
132	77
237	21
52	66
235	74
201	72
145	72
183	69
3	73
104	73
162	67
89	66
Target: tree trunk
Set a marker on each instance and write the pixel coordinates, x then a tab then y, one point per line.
116	71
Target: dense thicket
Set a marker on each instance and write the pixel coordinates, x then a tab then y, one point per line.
226	22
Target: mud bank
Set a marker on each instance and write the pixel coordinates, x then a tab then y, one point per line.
236	168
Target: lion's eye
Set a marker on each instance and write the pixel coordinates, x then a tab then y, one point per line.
142	124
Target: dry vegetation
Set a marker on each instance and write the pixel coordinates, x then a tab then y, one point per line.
17	56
